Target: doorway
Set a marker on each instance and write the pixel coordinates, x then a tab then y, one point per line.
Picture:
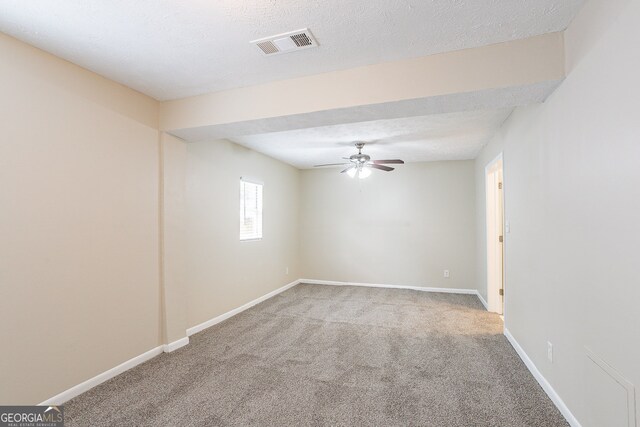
495	235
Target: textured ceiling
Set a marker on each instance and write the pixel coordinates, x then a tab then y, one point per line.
453	136
172	49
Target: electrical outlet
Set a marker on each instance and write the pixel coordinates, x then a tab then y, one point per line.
286	270
550	351
446	274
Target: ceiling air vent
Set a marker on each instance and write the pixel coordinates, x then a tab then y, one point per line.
267	47
287	42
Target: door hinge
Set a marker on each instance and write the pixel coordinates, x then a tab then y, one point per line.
500	239
501	292
500	186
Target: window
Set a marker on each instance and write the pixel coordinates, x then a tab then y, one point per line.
250	210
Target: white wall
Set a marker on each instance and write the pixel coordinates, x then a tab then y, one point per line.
78	224
572	189
404	227
224	273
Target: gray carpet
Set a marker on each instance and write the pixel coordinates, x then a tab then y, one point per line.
328	355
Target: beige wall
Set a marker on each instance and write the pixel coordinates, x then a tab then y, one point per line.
572	188
78	224
108	249
173	240
403	228
224	273
105	254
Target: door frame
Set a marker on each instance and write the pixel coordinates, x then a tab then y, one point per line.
495	227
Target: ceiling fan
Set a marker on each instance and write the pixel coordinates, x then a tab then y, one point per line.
361	164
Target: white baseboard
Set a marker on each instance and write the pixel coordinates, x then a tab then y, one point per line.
375	285
414	288
74	391
172	346
483	301
555	398
228	314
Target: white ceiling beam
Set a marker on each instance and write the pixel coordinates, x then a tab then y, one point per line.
496	76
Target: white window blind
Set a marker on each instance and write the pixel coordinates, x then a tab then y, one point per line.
250	210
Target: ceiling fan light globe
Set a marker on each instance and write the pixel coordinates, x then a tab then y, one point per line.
364	173
352	172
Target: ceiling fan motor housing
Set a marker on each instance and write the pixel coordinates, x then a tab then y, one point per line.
360	158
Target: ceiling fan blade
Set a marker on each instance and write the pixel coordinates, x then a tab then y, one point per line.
348	169
393	161
331	164
381	167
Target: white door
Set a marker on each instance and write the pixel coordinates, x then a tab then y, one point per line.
495	235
